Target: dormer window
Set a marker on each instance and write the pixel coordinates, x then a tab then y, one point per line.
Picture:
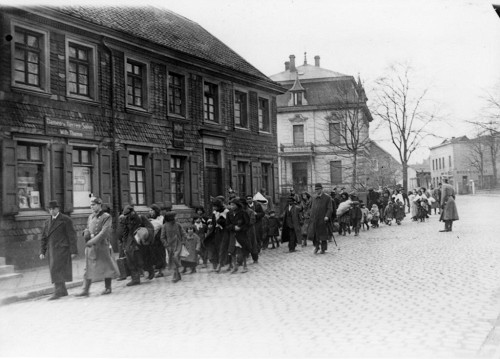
297	98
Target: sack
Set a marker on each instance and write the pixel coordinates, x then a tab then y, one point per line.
141	235
184	252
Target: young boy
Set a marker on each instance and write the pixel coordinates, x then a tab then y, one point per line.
192	244
356	217
365	212
273	229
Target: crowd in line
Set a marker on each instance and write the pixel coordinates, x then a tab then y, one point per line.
236	231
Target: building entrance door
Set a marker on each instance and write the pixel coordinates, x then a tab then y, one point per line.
299	176
213	182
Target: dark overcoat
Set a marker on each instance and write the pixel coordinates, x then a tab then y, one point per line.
172	237
321	207
294	214
448	204
58	244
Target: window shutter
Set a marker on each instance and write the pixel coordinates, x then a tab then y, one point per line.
256	177
157	174
68	179
166	178
195	185
9	177
234	177
274	192
124	180
58	178
148	181
248	181
106	175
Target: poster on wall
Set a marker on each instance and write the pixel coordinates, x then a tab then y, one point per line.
35	199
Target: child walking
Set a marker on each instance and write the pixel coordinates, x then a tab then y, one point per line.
273	232
375	216
192	243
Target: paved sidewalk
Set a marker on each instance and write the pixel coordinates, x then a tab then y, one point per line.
36	282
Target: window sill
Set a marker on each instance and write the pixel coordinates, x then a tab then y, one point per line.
38	214
137	110
176	116
81	212
82	99
239	128
31	91
179	207
264	132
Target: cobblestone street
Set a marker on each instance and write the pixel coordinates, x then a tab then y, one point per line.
395	291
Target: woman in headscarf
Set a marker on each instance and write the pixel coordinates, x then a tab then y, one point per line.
172	236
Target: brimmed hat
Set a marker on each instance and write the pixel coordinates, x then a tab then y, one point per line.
53	204
155	208
127	210
318	186
95	200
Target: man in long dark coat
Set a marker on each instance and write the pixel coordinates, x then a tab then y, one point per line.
449	211
321	213
59	245
291	224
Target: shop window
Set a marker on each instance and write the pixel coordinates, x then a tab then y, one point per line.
30	176
177	179
82	177
137	171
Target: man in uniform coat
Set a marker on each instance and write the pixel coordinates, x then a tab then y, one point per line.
99	261
59	246
321	213
449	211
291	224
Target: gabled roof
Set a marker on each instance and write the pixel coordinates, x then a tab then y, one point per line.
165	28
306	72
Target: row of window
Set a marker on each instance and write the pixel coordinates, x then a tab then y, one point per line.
300	175
31	68
31	168
439	163
334	136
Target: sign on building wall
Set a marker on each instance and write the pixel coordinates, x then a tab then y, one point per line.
68	128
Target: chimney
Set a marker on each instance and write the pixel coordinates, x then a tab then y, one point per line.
292	64
287	65
316	61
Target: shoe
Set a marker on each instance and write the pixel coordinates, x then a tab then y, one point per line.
84	293
151	275
184	270
218	269
55	296
445	230
292	250
159	275
235	269
316	250
322	252
193	270
245	269
106	291
120	279
132	283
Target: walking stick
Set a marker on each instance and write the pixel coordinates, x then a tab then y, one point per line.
333	236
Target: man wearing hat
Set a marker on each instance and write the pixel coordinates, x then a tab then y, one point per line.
259	214
291	224
99	261
58	244
321	213
133	221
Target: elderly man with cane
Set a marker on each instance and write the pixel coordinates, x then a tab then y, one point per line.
321	212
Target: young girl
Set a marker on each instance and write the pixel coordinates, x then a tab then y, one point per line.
375	215
192	243
399	211
200	229
366	216
389	213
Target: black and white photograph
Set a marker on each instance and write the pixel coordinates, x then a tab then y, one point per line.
250	179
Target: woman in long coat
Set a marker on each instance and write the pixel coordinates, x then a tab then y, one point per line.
449	211
238	224
99	261
172	236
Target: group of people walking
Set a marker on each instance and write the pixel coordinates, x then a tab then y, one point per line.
235	232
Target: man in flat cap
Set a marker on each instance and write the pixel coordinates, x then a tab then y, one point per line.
321	213
291	224
59	246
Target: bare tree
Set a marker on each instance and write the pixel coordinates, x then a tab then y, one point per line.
347	126
489	127
476	157
402	110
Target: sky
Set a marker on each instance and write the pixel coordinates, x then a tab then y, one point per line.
452	45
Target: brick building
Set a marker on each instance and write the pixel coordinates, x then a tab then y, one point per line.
136	105
321	111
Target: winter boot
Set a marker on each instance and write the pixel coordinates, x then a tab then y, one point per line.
107	286
86	289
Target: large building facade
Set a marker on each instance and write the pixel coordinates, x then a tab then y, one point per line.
135	105
321	119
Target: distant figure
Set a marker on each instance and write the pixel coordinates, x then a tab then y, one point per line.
449	211
59	245
321	212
